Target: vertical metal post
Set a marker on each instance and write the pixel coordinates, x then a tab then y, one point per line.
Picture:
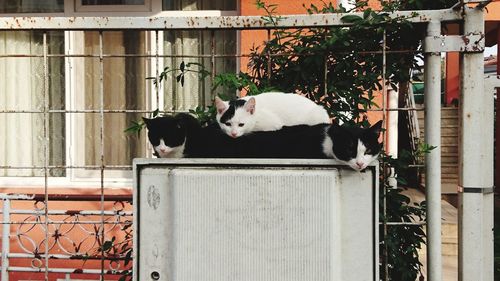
5	239
392	131
101	134
497	121
475	234
46	138
212	67
432	95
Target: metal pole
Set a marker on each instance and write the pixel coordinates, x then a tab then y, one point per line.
5	239
432	95
497	123
475	210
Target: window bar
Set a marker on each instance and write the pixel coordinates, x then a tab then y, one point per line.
325	77
101	135
46	149
268	57
6	226
212	65
384	207
157	75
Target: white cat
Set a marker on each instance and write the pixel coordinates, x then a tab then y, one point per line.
267	112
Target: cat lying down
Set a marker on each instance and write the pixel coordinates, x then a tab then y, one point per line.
183	136
267	112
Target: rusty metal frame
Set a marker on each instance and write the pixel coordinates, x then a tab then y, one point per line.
208	22
434	44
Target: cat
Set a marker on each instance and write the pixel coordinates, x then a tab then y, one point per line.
167	134
267	112
183	136
353	146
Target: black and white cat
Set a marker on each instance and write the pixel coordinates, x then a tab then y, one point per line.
354	146
267	112
183	136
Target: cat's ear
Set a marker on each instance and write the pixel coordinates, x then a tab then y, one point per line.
377	128
250	105
220	105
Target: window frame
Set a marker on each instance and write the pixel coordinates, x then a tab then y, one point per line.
146	7
112	178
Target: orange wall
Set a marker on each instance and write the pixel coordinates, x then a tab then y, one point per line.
452	77
251	38
75	234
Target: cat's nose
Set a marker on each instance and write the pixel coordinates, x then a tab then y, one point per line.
360	164
234	134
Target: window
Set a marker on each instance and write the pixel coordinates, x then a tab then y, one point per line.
73	126
188	5
112	2
22	92
112	5
31	6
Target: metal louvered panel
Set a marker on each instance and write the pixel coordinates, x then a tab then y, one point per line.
265	220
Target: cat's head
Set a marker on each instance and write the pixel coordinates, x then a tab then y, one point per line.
356	147
168	134
236	117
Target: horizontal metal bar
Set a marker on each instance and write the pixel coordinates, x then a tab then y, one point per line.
64	222
81	111
71	212
476	189
63	270
60	256
491	82
366	52
470	43
404	223
123	56
207	22
176	111
66	197
89	167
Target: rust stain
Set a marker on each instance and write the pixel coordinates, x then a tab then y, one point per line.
72	212
465	39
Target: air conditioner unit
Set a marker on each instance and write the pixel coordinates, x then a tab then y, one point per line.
254	219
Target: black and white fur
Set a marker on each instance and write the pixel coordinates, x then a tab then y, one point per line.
267	112
182	136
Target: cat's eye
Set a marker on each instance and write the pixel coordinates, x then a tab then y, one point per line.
241	125
368	151
227	124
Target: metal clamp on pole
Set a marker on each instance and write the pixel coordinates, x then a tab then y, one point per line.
468	43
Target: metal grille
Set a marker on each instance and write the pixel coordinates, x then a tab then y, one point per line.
42	234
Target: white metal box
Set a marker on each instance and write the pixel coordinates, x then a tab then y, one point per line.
254	219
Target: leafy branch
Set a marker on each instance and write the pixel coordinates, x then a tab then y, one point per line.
183	69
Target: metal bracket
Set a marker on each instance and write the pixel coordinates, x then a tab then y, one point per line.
476	189
470	43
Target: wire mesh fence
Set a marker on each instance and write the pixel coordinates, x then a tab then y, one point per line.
70	88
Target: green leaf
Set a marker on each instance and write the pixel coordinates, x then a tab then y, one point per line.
351	18
107	246
367	13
